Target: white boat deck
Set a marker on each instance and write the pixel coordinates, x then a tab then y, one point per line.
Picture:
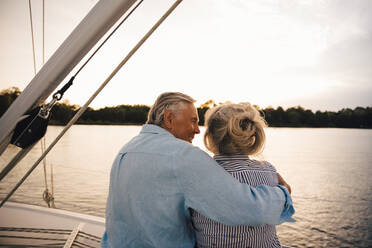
23	225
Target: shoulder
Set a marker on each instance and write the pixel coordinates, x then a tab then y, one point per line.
269	166
178	149
156	141
189	152
261	164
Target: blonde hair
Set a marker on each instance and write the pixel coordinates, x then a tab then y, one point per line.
167	100
234	128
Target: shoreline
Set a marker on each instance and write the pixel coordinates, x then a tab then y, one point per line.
136	124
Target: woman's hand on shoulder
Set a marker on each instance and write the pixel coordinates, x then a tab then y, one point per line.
284	183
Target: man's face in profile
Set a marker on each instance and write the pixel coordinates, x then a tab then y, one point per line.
184	125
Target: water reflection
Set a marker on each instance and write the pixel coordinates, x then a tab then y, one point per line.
329	171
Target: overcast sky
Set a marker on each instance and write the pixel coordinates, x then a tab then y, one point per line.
317	54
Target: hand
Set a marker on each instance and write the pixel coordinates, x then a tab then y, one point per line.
284	183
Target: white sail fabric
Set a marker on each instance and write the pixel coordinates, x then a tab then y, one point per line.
97	22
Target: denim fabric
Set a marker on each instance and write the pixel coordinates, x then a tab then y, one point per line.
156	178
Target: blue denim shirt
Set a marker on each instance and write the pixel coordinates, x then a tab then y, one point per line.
156	178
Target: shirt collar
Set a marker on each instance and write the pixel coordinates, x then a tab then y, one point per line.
150	128
231	157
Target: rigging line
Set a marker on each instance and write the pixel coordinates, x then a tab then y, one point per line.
52	179
32	35
46	195
23	152
42	142
108	37
85	106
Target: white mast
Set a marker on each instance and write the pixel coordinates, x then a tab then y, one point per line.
97	22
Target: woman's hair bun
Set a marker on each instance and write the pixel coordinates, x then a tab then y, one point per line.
234	128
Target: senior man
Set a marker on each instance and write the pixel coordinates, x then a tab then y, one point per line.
159	175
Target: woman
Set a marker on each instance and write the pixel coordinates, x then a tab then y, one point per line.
234	132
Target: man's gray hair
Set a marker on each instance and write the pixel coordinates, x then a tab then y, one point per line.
167	100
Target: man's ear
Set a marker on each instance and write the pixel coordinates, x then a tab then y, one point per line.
168	118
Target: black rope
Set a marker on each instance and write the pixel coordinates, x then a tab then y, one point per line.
59	94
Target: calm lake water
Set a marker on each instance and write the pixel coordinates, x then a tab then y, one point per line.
330	172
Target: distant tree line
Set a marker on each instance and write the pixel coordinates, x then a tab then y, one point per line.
137	114
300	117
122	114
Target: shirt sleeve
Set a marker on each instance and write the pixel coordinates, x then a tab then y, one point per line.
213	192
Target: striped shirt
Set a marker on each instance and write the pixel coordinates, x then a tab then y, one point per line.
210	233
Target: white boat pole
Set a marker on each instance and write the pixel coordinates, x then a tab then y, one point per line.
97	22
